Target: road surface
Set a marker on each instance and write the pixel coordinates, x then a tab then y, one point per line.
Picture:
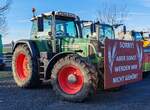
132	97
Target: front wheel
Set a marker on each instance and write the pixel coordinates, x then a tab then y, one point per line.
73	79
25	67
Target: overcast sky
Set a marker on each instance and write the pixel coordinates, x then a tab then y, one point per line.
20	13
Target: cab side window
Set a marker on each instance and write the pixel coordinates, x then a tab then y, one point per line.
47	25
86	31
34	29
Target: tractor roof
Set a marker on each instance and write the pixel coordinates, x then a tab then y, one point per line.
88	23
57	13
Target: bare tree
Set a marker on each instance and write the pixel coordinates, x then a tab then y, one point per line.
112	13
4	7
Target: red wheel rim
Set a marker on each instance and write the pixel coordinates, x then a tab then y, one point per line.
65	85
22	66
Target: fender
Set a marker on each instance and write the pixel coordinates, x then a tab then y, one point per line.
31	45
54	59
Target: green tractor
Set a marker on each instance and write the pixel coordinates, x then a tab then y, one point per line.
94	30
57	51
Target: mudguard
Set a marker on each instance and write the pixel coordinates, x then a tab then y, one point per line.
53	60
31	45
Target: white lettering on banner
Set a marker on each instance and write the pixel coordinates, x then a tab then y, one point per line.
134	67
125	78
126	58
121	58
131	58
123	62
126	45
125	68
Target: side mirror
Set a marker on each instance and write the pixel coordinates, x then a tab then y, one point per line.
40	24
132	33
87	36
142	33
124	30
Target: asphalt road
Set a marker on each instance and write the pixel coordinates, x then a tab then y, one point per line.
132	97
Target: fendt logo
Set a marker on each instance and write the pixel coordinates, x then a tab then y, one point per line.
123	60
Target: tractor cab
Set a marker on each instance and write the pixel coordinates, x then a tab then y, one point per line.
138	36
141	36
146	35
98	31
135	36
55	24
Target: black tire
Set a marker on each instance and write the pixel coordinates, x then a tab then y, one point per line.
32	79
101	83
89	73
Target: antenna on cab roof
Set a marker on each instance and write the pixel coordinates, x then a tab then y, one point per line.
33	11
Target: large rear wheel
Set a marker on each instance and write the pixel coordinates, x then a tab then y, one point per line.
25	67
74	79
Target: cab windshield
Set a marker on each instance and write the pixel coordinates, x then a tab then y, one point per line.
65	28
106	31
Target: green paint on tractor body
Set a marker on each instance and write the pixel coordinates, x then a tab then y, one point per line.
43	45
73	44
69	45
146	67
146	60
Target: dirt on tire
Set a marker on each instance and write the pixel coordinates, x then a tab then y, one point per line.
88	71
32	78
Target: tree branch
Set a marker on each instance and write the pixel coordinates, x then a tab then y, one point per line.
4	7
112	13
